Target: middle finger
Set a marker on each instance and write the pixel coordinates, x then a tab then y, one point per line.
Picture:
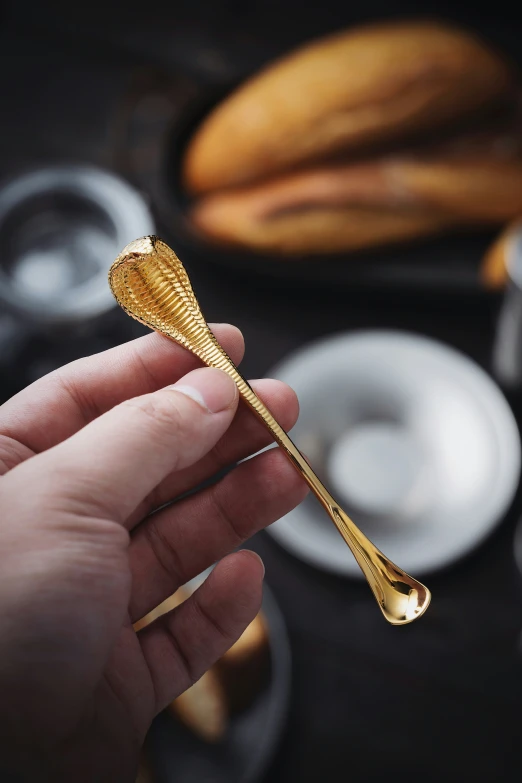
246	435
179	542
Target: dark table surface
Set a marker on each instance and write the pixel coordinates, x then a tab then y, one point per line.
437	701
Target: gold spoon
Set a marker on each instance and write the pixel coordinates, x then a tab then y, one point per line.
151	285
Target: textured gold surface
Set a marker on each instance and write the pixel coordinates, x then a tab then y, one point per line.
151	285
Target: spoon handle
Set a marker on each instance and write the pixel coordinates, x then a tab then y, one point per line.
400	597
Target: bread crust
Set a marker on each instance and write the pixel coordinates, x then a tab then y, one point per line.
473	179
351	91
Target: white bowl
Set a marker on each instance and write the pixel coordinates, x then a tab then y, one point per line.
414	439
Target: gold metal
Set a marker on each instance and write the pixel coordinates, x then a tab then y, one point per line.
151	285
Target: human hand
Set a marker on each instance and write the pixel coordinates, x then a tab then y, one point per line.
89	456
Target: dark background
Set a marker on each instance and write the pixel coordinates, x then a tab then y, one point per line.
437	701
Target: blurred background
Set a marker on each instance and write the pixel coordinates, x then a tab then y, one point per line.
355	211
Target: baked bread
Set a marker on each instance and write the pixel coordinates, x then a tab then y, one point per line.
203	708
474	179
493	272
357	89
243	668
229	686
290	217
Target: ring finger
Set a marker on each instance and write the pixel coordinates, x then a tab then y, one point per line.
179	542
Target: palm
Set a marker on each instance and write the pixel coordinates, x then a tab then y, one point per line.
97	553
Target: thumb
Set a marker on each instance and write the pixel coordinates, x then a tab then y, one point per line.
107	468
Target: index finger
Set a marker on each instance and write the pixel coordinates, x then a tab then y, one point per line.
61	403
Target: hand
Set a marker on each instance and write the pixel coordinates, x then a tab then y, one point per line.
89	457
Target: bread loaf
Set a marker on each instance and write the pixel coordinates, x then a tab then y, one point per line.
243	668
493	271
475	179
230	685
203	708
346	92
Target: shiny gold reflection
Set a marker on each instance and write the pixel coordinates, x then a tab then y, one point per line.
151	285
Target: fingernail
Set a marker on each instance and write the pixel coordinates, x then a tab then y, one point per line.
212	389
254	554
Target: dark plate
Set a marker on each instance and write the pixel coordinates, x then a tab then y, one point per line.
177	756
448	260
152	158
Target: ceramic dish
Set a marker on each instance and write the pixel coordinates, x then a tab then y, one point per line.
413	438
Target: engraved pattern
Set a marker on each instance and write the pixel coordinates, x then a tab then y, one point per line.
160	296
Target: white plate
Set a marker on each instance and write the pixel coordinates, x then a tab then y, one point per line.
414	439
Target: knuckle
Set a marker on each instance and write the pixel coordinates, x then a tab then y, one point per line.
12	453
218	629
235	524
164	551
162	411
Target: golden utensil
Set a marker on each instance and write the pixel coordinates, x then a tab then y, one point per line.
151	285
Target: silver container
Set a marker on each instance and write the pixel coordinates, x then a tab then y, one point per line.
60	229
